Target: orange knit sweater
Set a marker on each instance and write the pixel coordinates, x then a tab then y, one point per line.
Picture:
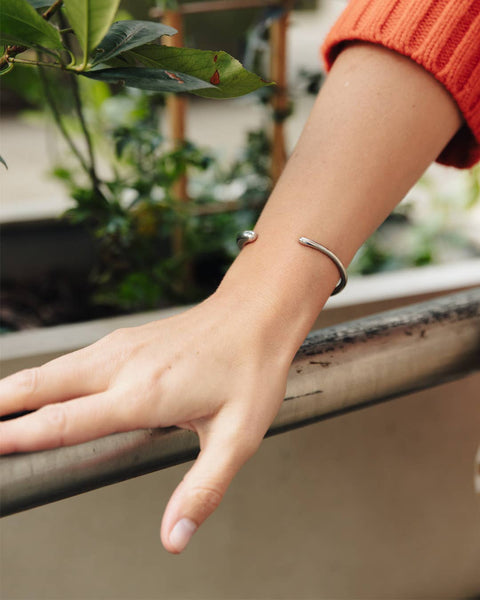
441	35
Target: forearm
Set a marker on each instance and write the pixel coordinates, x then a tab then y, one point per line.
378	122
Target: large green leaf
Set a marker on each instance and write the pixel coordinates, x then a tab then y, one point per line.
226	74
156	80
21	24
90	20
124	35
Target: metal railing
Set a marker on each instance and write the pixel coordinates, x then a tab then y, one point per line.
337	369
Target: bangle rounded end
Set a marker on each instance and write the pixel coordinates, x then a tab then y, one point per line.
333	257
246	237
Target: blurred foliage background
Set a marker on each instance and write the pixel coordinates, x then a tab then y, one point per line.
136	267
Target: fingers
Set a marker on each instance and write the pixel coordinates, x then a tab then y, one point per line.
64	424
202	489
70	376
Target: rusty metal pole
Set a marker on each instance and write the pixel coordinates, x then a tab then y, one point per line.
278	69
338	369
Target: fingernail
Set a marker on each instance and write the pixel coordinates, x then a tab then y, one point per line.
181	534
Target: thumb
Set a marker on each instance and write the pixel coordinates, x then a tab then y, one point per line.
202	488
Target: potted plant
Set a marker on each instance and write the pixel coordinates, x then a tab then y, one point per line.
72	44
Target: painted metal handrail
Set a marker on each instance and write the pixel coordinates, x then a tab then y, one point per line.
337	369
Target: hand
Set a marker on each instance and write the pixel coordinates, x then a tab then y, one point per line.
211	369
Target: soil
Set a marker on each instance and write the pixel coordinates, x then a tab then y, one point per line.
54	300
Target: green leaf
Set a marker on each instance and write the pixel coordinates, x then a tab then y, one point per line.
124	35
156	80
2	160
226	74
90	20
22	25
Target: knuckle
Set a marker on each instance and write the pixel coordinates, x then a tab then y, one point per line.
139	398
128	409
114	337
121	333
155	385
27	380
207	497
55	418
144	400
244	442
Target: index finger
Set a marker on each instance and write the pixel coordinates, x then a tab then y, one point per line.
72	375
65	424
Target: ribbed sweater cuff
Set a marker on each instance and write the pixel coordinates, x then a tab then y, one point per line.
441	35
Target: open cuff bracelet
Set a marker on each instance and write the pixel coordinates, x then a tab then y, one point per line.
247	237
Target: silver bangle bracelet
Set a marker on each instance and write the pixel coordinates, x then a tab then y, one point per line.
247	237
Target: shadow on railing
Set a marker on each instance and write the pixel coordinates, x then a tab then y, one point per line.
337	369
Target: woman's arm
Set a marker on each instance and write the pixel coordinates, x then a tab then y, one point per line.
220	368
378	122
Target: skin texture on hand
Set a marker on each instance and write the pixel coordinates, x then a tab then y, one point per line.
203	370
220	369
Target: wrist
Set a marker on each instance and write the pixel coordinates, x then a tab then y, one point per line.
283	285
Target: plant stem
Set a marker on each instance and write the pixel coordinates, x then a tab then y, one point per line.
58	120
73	81
10	52
35	63
52	9
88	138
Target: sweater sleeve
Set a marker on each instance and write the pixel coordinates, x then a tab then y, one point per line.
441	35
